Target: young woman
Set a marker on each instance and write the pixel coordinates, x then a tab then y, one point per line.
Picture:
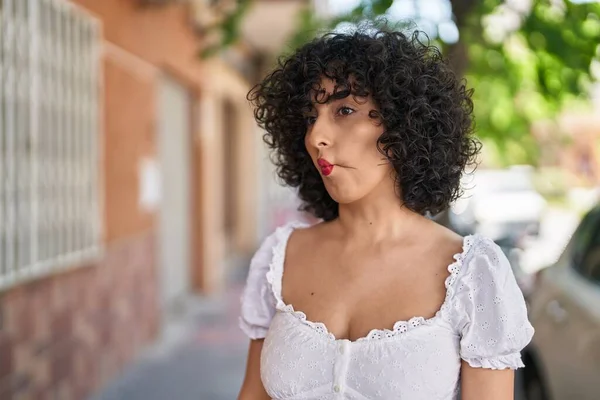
375	301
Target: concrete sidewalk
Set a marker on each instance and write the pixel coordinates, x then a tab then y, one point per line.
201	356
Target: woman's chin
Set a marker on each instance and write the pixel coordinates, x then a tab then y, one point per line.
342	197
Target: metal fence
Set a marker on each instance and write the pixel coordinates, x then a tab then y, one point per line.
49	138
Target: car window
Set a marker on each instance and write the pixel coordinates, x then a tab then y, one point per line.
586	246
590	266
580	239
595	273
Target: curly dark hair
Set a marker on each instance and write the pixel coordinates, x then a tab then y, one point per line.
426	112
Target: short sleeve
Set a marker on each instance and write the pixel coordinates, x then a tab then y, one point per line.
258	301
491	314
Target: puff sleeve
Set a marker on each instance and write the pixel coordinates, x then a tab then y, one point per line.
491	314
257	300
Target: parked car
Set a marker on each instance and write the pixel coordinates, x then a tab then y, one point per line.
563	360
501	204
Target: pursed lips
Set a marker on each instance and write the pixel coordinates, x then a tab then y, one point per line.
326	166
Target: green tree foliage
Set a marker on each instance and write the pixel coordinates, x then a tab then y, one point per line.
532	72
520	75
228	29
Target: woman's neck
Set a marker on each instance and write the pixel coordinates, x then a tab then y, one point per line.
378	216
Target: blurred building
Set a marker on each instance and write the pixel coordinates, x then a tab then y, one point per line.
132	176
572	144
582	156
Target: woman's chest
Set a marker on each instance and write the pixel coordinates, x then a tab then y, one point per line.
359	291
301	360
352	305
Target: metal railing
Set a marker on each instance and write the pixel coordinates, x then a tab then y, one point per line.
49	138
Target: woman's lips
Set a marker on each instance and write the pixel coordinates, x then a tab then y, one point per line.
326	166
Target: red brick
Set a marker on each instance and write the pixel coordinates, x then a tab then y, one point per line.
42	393
6	388
61	390
62	325
2	316
41	311
40	372
21	385
42	348
61	365
21	357
6	356
80	390
15	386
111	308
19	317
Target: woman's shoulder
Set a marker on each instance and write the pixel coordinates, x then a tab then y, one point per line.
483	275
483	257
276	242
481	269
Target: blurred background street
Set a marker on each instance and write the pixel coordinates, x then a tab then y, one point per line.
135	186
207	361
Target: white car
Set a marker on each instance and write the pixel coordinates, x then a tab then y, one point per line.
498	203
563	360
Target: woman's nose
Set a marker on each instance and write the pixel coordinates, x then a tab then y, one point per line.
320	137
322	143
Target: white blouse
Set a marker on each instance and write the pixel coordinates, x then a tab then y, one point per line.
483	321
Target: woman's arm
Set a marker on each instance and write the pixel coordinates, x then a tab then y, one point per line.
485	383
252	388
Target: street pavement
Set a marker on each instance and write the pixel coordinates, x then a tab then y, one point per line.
201	358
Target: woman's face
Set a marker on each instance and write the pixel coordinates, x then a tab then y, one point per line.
341	139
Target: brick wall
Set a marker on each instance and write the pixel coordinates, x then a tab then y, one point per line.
64	336
140	45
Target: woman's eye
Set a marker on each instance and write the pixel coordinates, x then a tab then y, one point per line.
310	120
345	110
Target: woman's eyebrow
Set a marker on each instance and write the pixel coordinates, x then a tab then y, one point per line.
332	97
